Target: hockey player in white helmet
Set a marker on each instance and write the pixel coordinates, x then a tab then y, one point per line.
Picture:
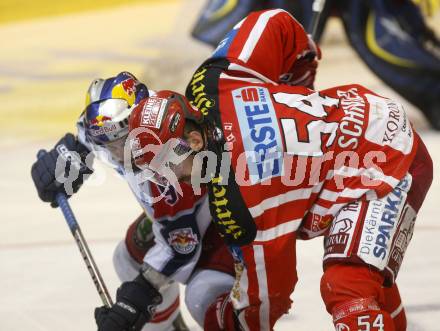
174	250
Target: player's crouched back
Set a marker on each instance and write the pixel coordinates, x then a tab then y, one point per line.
367	239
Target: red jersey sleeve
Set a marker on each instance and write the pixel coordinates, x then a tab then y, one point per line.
268	42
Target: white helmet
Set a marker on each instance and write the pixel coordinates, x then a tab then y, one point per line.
108	106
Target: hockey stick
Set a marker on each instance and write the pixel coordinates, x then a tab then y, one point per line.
61	199
317	7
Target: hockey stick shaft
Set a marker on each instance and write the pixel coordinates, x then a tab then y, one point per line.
61	199
317	7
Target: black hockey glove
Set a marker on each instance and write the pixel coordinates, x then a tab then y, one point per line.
135	304
68	176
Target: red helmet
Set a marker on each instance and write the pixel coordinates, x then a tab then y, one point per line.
153	124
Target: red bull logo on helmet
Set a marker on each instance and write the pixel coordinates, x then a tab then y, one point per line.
184	241
98	126
125	90
99	120
129	86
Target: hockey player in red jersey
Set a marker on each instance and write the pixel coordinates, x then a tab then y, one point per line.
283	161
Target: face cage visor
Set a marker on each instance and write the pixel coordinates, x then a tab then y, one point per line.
167	164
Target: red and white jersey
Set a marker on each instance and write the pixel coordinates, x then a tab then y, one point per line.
266	45
288	158
299	156
179	225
